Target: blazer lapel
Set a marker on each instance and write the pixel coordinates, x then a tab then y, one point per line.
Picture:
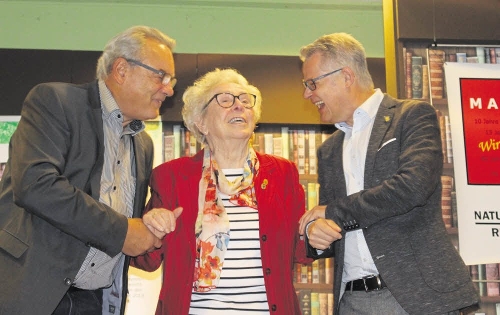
94	184
140	169
382	123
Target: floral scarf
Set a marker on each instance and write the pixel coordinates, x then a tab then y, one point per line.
212	223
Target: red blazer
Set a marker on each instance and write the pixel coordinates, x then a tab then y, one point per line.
281	204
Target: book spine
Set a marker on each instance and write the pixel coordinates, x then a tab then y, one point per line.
449	147
176	129
481	274
447	185
492	286
493	56
425	81
408	77
168	147
286	142
312	153
416	76
315	271
323	303
314	303
301	143
278	146
330	304
436	77
305	301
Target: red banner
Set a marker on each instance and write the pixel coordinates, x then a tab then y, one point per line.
481	122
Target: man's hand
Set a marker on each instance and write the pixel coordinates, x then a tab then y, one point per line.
161	221
313	214
322	232
139	239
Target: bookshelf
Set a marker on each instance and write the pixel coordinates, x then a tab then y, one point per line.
434	32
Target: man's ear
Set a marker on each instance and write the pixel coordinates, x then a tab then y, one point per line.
119	70
349	76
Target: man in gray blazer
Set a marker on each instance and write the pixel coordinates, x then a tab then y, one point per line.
380	193
76	182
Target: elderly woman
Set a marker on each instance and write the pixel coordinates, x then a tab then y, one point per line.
232	246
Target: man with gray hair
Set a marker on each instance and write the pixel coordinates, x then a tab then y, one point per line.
76	183
379	208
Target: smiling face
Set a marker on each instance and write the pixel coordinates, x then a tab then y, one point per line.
227	125
331	95
141	91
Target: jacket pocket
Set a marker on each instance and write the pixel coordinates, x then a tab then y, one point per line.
11	244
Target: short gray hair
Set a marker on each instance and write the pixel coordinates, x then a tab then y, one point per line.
343	50
197	95
129	44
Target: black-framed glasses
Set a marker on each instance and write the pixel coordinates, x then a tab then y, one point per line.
227	100
311	83
165	77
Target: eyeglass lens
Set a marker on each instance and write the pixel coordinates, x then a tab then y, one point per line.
227	100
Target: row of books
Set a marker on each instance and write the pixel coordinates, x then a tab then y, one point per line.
315	303
319	271
424	74
486	278
297	145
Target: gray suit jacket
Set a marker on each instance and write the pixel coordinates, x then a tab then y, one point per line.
49	209
399	210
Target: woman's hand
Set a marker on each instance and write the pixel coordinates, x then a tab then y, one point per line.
161	221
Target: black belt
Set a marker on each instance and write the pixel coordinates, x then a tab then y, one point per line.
370	283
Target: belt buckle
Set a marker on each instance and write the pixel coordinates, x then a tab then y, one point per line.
379	283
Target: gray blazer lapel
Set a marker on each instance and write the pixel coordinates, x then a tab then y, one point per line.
141	176
338	165
383	121
94	184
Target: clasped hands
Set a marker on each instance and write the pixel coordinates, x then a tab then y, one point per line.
321	232
146	234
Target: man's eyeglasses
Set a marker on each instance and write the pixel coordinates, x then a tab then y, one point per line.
311	83
226	100
165	77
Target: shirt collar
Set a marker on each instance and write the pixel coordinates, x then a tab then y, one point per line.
110	109
366	111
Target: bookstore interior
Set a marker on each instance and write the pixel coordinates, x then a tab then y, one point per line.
420	38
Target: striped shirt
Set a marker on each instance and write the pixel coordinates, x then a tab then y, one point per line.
117	190
241	287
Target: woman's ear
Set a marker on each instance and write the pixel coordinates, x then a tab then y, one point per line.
202	127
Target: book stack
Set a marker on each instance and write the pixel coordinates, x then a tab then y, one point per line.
314	302
318	272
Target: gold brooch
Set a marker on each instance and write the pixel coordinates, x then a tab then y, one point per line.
264	183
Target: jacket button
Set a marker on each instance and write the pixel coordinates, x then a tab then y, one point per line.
268	271
68	281
273	308
264	238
